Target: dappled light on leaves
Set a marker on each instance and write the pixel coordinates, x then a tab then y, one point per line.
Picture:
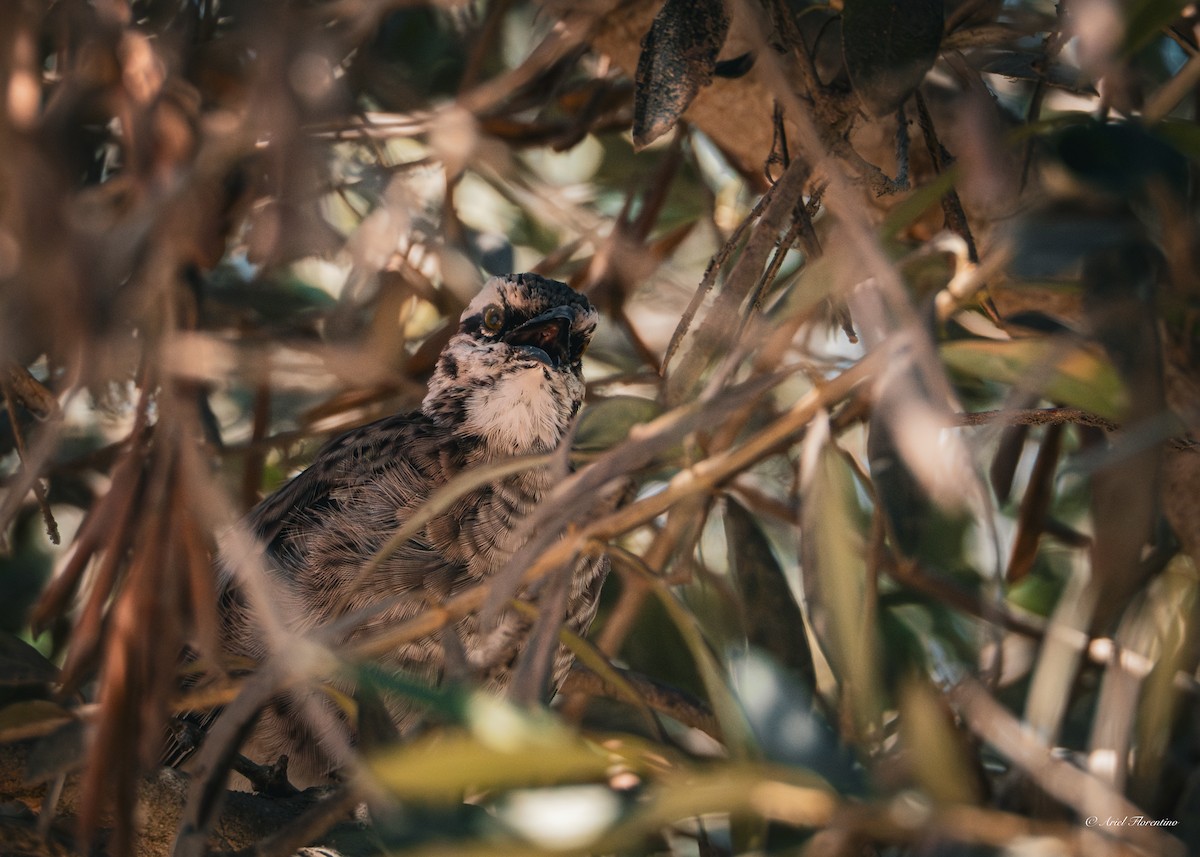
889	429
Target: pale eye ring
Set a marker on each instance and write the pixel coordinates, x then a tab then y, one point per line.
493	317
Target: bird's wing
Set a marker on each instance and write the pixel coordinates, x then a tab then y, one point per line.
324	526
343	461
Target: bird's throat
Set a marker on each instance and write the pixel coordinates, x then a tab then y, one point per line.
525	411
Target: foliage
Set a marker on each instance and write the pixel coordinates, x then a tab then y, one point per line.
898	359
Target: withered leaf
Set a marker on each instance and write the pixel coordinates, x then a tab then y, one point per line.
678	59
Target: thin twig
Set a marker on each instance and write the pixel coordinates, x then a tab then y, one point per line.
962	598
710	276
1064	782
252	466
314	823
662	698
438	502
1035	417
717	330
207	793
698	480
952	207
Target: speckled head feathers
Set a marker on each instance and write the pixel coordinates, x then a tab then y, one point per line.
511	376
522	297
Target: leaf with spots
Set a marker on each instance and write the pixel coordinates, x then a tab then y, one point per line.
679	56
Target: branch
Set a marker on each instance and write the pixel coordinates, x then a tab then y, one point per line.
243	824
1036	417
662	698
1077	789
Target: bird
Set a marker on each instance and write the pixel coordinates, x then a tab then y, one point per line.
509	382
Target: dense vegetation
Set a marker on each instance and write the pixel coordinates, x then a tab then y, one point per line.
897	378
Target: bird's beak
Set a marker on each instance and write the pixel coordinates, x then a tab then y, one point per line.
546	337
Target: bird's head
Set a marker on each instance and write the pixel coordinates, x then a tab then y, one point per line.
512	374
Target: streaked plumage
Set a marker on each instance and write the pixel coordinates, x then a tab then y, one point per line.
508	383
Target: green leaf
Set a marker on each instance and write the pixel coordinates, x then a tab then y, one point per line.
1052	242
920	528
919	201
275	297
449	704
813	283
589	656
1183	135
835	562
937	751
739	737
1036	593
773	619
1069	375
22	664
921	634
608	422
889	46
771	696
31	718
1120	158
1144	19
442	767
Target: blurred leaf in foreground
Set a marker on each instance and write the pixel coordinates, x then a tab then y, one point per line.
783	716
608	422
937	753
1066	374
889	47
441	768
835	573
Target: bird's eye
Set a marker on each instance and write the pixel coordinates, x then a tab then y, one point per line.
493	317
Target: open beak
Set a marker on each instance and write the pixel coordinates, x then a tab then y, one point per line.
546	337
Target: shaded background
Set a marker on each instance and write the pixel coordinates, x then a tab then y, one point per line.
898	350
